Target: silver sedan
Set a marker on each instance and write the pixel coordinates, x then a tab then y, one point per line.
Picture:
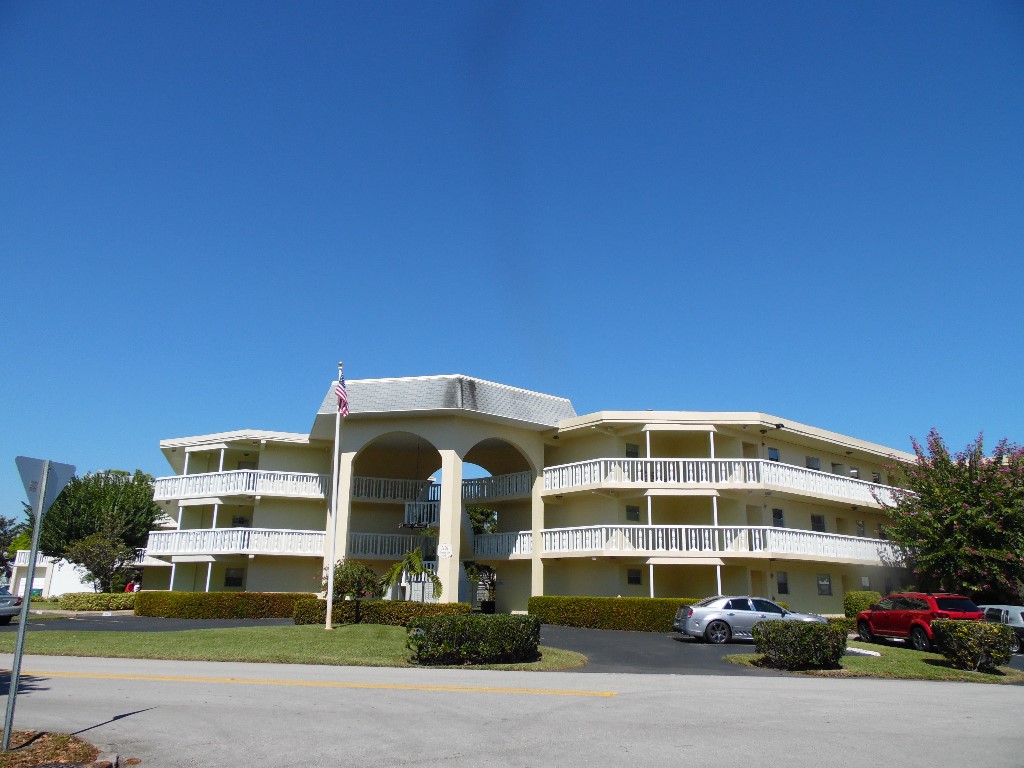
719	619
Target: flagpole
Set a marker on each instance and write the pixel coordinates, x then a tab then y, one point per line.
334	511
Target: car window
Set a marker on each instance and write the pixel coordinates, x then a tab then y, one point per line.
956	604
885	604
738	604
917	604
994	614
766	606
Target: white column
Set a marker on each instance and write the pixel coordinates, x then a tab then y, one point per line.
537	525
216	508
650	521
650	577
345	462
170	588
220	466
209	572
711	436
184	470
449	536
718	541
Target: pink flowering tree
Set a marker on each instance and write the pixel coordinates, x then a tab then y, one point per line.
962	527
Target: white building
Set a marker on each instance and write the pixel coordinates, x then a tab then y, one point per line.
631	503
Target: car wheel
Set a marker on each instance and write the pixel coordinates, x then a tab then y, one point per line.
919	639
864	630
4	620
1015	643
718	632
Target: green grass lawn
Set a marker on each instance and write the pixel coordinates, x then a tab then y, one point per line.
367	645
898	662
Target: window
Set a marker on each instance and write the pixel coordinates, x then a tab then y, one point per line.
854	473
837	469
818	524
876	477
813	462
824	584
766	606
632	451
782	578
861	529
738	604
234	577
773	454
247	465
865	582
778	518
634	576
632	514
240	521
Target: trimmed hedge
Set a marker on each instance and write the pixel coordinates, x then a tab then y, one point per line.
799	644
845	623
975	645
395	613
857	601
641	614
474	639
97	601
217	605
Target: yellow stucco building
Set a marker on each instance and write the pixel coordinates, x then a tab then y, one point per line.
630	503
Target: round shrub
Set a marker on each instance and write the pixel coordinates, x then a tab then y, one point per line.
974	645
796	645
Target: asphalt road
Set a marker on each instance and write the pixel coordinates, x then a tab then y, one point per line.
189	714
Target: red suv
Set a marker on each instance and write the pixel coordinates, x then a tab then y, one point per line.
909	616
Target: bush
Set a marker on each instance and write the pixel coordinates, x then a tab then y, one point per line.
855	602
474	639
97	601
642	614
799	644
217	605
353	579
844	623
976	645
394	613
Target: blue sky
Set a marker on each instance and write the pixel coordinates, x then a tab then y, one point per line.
808	209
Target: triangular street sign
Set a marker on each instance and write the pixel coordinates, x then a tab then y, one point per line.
32	477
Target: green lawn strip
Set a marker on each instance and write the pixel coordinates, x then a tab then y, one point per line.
897	663
368	645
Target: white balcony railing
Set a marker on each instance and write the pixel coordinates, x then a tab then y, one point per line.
22	555
714	473
242	482
505	544
422	514
391	489
244	541
390	545
717	540
498	486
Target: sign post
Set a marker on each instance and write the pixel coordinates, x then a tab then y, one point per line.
43	480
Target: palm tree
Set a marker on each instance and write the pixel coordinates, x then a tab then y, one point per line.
412	564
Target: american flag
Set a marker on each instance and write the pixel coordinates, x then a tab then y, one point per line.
342	393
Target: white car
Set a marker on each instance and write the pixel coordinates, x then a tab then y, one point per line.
10	606
721	618
1010	615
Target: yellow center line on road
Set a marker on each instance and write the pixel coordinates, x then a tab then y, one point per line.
326	684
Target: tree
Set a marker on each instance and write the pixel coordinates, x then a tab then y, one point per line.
113	503
412	564
353	579
482	519
12	533
961	526
106	561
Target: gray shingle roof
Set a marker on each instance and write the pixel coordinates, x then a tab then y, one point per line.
457	392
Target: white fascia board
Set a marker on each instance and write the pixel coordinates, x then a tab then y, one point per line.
685	561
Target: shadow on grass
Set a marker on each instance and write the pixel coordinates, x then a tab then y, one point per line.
944	664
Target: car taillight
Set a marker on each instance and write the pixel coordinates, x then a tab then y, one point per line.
689	612
941	615
18	601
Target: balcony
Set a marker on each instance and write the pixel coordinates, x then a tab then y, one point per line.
718	541
21	558
511	486
389	546
712	474
511	544
242	482
235	541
